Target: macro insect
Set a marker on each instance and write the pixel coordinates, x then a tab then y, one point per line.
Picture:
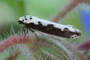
45	26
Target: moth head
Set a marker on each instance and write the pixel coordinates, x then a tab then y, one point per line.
27	19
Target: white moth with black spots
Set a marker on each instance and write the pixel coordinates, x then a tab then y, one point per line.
42	25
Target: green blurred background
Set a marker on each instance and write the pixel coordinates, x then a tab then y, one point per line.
11	10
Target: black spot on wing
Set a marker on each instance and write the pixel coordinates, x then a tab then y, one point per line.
25	18
39	23
66	29
30	18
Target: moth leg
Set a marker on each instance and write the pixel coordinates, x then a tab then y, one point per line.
41	34
55	38
34	33
25	32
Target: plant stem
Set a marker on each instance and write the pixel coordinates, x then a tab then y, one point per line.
70	6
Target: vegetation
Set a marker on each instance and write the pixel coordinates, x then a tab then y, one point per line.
14	47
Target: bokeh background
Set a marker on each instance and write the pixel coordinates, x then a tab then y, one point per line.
11	10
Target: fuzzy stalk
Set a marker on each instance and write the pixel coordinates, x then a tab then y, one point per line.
70	6
15	40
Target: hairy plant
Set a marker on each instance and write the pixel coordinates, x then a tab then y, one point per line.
47	48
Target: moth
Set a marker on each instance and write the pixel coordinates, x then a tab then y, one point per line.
45	26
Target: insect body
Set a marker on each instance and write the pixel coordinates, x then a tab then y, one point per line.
66	31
